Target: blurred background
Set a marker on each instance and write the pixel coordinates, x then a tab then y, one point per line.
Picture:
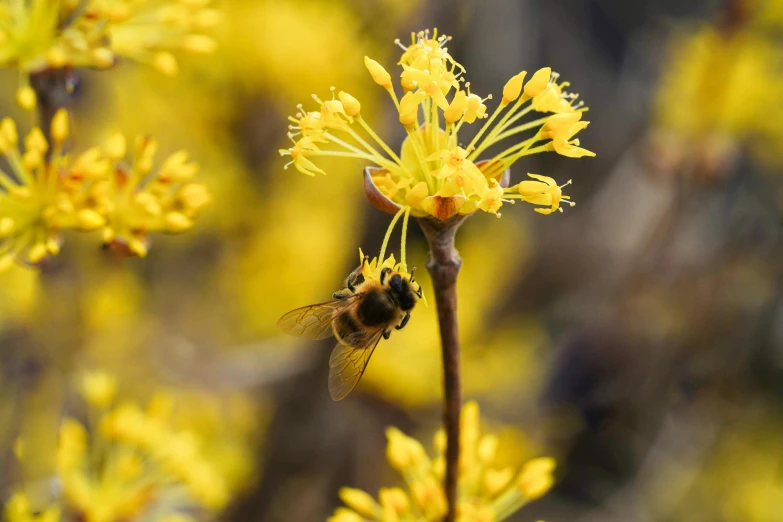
637	337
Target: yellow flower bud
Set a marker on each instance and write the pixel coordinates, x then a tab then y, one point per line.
470	422
439	466
360	502
165	63
194	196
116	147
487	448
496	480
558	121
53	245
36	140
98	388
409	107
456	108
17	508
89	219
32	159
57	57
378	73
538	82
6	226
536	478
397	449
60	126
103	58
8	135
345	515
138	246
351	105
513	88
440	439
25	97
395	498
177	222
37	253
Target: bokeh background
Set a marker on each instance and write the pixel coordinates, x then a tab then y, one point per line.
637	337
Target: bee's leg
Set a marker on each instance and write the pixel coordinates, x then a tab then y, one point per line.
342	294
420	292
384	273
404	321
353	276
387	334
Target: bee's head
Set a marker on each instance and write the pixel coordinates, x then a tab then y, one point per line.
402	288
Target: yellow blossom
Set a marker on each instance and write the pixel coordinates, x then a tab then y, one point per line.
435	174
538	82
128	466
378	73
513	88
536	478
98	388
94	32
47	192
485	494
545	192
350	104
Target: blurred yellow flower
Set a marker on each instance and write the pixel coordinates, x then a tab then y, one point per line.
42	34
48	191
486	493
126	461
434	175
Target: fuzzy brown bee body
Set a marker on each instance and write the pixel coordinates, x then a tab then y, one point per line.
358	317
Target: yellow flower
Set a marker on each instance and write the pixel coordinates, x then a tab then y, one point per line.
37	35
98	388
434	174
48	192
545	192
43	196
300	150
136	200
485	494
513	88
536	478
133	463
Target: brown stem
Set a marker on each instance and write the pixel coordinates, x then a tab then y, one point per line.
53	92
443	265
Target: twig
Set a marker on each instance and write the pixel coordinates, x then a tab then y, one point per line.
443	265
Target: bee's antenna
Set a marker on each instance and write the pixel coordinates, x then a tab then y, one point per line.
413	272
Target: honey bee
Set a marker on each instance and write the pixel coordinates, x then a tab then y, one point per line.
360	314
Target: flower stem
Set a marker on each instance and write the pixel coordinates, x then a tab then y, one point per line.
52	92
444	264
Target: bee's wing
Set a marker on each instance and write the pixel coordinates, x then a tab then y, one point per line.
349	360
313	321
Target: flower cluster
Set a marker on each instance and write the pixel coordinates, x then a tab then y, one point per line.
486	494
127	462
719	112
40	34
47	191
435	174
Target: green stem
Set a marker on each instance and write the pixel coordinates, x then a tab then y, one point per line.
389	231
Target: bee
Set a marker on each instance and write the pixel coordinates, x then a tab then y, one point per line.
358	316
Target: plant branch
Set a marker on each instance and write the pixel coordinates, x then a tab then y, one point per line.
443	265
